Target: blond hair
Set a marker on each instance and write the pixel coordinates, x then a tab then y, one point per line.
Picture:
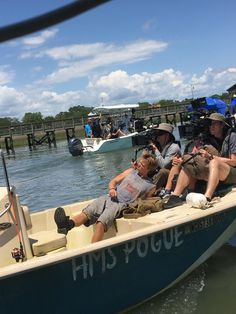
152	161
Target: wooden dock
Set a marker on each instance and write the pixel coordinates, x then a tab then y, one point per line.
45	132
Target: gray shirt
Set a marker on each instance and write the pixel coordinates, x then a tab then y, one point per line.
132	187
166	156
229	145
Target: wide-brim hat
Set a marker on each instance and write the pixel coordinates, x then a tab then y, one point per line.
215	116
164	127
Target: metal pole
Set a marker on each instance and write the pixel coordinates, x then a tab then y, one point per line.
192	88
5	172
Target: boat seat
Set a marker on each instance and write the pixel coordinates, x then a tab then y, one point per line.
43	242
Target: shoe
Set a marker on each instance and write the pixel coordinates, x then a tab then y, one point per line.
173	201
164	193
63	222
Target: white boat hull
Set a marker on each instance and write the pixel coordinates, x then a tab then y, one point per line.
103	146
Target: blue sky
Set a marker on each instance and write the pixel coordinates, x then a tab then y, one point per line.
124	51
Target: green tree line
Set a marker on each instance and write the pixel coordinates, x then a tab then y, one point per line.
37	117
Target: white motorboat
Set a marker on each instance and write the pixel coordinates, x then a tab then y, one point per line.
100	145
103	146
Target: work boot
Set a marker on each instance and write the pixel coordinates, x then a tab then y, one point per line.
173	201
64	223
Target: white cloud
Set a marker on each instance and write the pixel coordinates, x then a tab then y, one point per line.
35	41
12	102
75	61
99	55
73	52
6	75
213	81
144	86
117	86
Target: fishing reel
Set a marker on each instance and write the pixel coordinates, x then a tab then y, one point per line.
18	254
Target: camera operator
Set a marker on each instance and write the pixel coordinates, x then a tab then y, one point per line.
165	149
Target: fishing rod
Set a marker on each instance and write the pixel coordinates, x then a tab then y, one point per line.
5	172
17	253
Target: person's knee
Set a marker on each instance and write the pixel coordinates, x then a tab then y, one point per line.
160	179
214	163
100	226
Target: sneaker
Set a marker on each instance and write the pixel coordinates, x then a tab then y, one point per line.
164	193
166	197
64	223
173	201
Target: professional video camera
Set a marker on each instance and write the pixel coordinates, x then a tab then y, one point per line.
195	122
196	127
144	138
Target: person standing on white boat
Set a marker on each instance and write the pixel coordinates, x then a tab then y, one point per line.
123	189
88	128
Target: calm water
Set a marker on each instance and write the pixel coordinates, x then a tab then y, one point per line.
48	178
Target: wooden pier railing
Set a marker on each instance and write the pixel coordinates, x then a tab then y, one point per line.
24	129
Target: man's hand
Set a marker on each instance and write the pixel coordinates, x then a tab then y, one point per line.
113	193
177	161
154	147
205	154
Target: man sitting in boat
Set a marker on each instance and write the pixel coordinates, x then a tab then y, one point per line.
212	140
220	168
114	133
164	148
123	189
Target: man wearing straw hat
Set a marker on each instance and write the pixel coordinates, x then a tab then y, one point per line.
164	148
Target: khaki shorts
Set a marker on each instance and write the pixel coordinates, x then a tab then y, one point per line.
160	178
231	179
104	210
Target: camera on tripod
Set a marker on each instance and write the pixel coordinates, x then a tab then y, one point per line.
144	138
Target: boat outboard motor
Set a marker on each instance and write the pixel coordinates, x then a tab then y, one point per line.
75	147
